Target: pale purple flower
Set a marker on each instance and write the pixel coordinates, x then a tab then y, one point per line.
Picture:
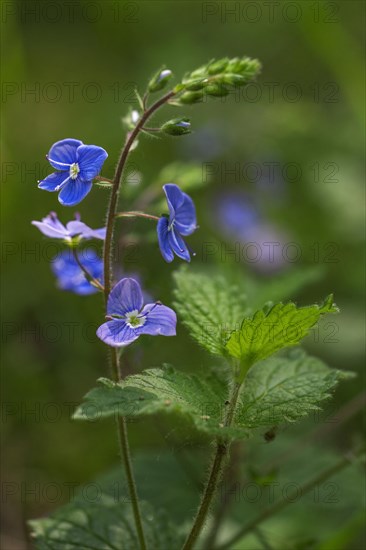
52	227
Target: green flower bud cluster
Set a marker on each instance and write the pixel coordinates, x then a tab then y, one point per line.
216	78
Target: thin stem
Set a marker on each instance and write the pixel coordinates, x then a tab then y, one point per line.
222	449
112	208
302	490
231	474
136	214
107	259
87	274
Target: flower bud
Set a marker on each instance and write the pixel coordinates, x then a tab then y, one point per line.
196	84
177	127
216	90
159	80
233	79
219	66
188	98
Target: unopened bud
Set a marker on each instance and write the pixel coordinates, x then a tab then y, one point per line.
177	127
216	90
160	80
196	84
219	66
188	98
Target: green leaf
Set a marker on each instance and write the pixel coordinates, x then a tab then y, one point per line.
209	307
162	390
275	391
270	330
284	389
103	525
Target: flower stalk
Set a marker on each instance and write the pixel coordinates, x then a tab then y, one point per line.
107	260
218	463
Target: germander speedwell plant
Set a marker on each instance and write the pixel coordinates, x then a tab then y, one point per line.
253	385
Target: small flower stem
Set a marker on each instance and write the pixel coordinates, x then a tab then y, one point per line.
88	275
135	214
146	129
101	178
217	467
107	259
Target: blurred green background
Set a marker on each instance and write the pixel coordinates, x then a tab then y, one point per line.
68	70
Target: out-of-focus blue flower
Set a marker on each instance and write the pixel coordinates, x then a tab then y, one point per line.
52	227
261	245
235	213
181	222
129	318
71	277
77	165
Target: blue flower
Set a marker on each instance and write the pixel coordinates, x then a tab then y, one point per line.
52	227
129	318
77	165
69	274
181	221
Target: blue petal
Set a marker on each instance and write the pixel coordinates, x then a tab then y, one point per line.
185	216
174	196
100	233
52	227
178	245
125	296
92	261
90	159
70	276
53	220
75	227
165	248
51	231
116	333
74	191
51	182
159	320
63	153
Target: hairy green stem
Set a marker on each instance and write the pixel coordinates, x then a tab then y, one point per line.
107	259
216	470
302	490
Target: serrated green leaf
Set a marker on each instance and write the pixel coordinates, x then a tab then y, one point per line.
274	328
104	525
209	307
284	389
275	391
161	390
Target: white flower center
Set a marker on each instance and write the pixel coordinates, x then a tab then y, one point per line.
134	320
74	171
